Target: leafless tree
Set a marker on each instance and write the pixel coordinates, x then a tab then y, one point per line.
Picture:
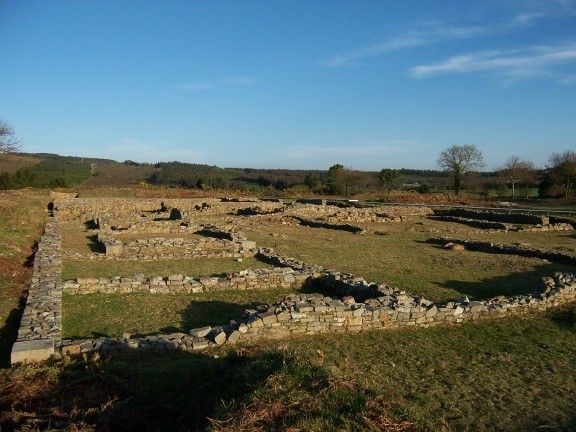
8	142
516	171
459	159
563	170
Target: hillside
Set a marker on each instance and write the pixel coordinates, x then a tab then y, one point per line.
13	162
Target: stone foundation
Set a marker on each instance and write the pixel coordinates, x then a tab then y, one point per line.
489	247
315	313
356	229
487	215
352	305
41	323
251	279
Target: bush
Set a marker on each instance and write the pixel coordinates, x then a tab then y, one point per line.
424	188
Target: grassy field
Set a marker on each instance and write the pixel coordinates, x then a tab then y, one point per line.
21	222
400	256
116	314
512	374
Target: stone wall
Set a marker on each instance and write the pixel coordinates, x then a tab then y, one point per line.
331	213
81	208
476	223
215	242
175	248
250	279
515	218
545	228
356	229
142	224
348	303
501	226
41	323
489	247
315	313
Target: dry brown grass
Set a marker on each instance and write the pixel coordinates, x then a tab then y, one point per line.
13	162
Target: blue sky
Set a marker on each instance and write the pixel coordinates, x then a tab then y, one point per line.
290	84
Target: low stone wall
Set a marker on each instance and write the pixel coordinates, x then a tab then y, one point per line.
545	228
553	256
320	224
251	279
514	218
476	223
333	213
218	242
41	323
258	211
160	223
501	226
563	220
316	313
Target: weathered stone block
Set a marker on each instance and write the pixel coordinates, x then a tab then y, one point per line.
200	332
114	250
32	351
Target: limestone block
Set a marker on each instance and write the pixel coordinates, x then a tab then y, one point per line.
113	249
248	244
32	351
200	332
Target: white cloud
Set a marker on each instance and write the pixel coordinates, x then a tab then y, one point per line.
206	85
426	34
535	61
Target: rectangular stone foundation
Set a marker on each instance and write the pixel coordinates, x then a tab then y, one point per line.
32	351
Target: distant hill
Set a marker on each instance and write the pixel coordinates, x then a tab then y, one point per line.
12	162
118	174
48	171
52	170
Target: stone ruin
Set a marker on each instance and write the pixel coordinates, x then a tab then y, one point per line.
498	221
351	305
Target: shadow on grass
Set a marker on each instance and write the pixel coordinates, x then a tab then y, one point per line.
133	391
9	331
213	312
508	285
564	316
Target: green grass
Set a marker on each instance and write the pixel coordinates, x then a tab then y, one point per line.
510	374
513	374
400	256
139	313
21	221
72	269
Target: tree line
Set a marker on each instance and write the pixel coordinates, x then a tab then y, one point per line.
52	172
460	168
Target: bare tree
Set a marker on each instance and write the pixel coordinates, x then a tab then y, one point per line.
516	171
8	142
563	170
459	159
